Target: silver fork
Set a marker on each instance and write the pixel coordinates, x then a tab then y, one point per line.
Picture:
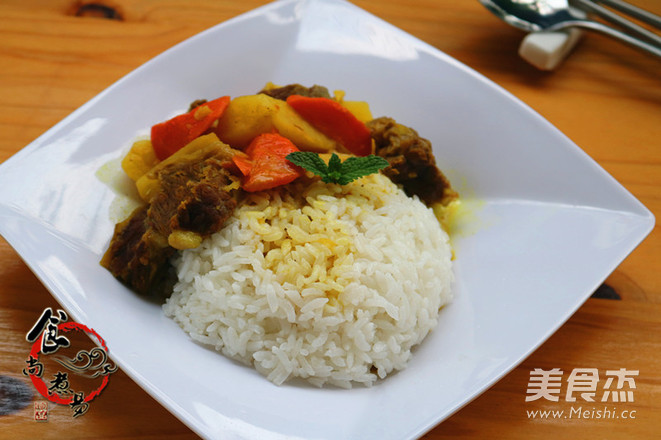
634	11
593	6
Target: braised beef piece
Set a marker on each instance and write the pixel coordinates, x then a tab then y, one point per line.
412	163
297	89
139	256
192	197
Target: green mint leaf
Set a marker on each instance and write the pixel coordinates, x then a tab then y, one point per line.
310	161
337	171
334	169
334	164
356	167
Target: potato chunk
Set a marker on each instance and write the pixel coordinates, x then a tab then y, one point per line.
251	115
140	159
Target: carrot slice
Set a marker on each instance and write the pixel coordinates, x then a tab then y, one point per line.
243	163
169	136
335	121
270	168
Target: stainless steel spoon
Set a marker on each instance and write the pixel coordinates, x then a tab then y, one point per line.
555	15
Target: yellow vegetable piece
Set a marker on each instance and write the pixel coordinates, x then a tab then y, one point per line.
140	159
184	239
246	117
360	109
251	115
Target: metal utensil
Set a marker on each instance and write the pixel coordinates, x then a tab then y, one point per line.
633	11
555	15
633	28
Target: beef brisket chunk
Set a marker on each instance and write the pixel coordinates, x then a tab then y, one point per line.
139	256
284	92
192	198
412	163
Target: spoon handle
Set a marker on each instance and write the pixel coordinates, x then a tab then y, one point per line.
609	31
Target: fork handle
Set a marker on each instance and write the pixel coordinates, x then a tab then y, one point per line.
609	31
591	6
634	11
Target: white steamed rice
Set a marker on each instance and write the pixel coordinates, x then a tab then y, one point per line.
332	284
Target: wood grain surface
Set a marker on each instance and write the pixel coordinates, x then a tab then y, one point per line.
58	54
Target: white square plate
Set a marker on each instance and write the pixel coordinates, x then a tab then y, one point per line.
546	227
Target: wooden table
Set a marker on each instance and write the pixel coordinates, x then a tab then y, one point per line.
57	54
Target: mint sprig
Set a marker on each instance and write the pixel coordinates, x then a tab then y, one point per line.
337	171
